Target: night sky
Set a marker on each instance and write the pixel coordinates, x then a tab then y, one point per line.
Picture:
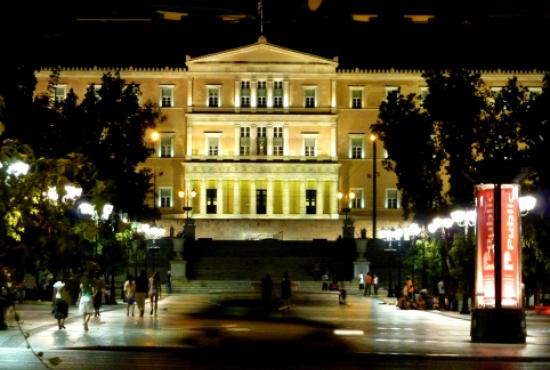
497	34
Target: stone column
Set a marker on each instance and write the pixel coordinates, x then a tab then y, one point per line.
237	148
190	95
270	93
286	98
269	206
333	199
202	195
237	95
253	197
302	200
236	197
253	136
286	197
320	197
333	138
270	139
219	198
189	140
286	149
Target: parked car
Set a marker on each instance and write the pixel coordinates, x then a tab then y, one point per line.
248	324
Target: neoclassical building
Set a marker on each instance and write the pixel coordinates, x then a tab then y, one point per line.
259	140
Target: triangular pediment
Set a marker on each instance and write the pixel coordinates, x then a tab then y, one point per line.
261	55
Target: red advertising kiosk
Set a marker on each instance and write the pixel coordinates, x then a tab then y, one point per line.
498	315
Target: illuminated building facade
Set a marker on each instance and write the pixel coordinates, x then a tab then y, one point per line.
267	137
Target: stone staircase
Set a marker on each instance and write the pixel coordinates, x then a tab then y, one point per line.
243	261
237	286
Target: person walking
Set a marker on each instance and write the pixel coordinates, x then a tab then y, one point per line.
375	284
60	304
169	281
368	284
325	280
85	305
142	287
130	294
99	288
286	292
361	281
154	292
441	295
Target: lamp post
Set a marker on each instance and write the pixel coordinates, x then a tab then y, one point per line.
189	225
152	233
348	230
413	231
373	138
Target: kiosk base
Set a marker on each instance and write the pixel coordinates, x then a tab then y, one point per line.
498	326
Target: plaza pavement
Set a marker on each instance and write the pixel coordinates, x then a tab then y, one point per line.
113	329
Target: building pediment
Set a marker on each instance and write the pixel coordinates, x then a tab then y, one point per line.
261	56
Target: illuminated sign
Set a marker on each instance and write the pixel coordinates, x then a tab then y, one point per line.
509	247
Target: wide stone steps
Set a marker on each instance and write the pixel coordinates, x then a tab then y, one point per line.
237	286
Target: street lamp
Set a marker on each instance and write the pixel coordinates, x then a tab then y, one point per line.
413	231
189	225
526	204
464	218
88	209
373	138
152	232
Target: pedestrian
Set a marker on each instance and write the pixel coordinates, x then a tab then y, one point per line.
325	280
375	284
267	289
154	292
85	301
60	304
130	294
441	295
361	281
343	294
169	281
410	289
142	288
286	292
368	284
99	288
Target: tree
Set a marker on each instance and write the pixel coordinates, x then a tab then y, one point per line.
407	133
115	126
455	104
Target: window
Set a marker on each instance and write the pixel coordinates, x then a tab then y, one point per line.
95	90
278	142
261	141
262	94
167	145
245	141
392	199
278	94
166	96
356	146
213	146
311	201
165	197
309	146
261	201
59	93
358	201
213	96
391	90
309	94
495	92
356	98
245	94
212	143
211	200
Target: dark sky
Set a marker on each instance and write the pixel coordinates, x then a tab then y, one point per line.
493	34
